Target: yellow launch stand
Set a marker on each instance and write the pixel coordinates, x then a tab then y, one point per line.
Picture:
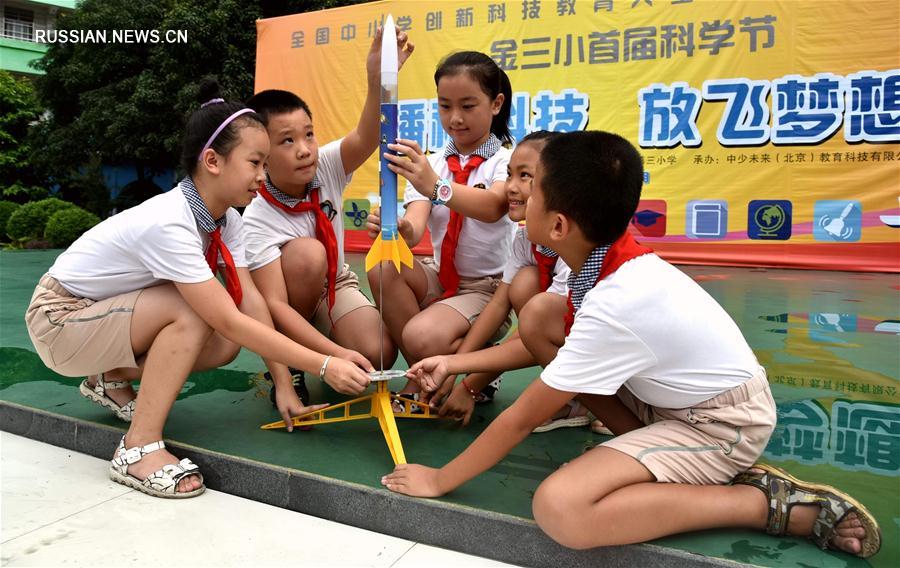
380	408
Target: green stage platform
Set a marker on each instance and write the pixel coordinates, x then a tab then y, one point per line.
829	341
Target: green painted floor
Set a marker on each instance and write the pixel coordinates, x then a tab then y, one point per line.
829	341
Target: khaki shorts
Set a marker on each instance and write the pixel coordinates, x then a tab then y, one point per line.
347	297
707	444
471	298
77	336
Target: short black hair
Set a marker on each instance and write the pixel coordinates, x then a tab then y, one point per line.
541	136
594	178
206	119
275	101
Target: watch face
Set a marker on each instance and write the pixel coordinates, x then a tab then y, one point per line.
445	192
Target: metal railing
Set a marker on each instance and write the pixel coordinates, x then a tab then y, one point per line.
17	30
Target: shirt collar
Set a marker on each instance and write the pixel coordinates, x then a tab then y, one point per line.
547	251
582	282
490	147
290	200
198	207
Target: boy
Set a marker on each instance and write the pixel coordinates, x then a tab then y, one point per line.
294	228
703	402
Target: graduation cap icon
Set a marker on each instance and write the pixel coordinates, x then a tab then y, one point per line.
650	218
646	218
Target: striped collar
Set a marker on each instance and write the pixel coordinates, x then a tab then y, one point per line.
490	147
547	251
290	200
198	207
582	282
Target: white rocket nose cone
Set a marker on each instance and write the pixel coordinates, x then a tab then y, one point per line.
389	46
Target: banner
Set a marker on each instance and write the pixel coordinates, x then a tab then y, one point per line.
769	129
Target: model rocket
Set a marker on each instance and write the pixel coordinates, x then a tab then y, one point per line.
389	245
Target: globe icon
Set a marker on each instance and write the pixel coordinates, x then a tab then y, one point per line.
769	219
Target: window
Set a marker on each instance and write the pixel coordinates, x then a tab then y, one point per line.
18	24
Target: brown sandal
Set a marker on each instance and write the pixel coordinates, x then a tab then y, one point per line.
784	491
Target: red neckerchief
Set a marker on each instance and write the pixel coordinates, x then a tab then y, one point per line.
324	231
621	251
215	248
447	274
545	265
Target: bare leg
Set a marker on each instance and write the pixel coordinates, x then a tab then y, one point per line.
359	331
217	352
580	509
171	337
525	285
436	330
401	291
614	415
542	326
305	270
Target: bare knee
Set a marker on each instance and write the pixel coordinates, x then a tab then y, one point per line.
524	286
556	511
531	321
422	338
376	351
385	275
304	260
189	325
225	353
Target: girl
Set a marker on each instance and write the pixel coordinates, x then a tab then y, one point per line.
136	298
532	273
459	195
528	272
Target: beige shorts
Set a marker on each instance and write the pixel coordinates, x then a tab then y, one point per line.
707	444
347	297
77	336
471	298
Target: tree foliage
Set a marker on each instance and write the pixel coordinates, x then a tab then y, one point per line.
119	103
19	108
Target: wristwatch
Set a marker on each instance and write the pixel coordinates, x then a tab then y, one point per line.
443	191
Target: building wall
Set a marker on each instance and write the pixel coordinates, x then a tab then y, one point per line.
17	52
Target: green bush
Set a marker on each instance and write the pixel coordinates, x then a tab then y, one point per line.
68	224
30	220
23	193
7	208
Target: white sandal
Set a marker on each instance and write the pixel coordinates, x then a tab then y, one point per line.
97	393
574	419
162	483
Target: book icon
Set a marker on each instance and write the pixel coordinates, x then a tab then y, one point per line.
707	219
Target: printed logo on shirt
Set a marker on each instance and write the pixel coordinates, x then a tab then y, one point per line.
329	209
650	218
769	219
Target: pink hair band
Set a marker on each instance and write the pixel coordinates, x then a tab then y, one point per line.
221	127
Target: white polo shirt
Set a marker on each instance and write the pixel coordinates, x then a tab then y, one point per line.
648	326
267	228
154	242
483	248
521	256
